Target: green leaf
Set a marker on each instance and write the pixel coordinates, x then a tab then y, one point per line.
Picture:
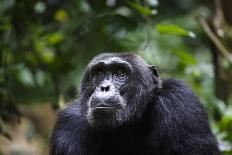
55	38
142	9
185	56
47	55
173	29
6	26
61	16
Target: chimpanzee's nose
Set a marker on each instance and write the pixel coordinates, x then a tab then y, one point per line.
105	87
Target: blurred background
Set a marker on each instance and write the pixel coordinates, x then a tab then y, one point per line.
45	45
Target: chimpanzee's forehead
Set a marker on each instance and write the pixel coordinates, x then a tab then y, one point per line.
109	57
123	58
108	61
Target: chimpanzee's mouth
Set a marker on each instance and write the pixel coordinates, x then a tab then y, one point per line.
103	106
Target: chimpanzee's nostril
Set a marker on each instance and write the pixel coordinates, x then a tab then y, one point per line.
105	88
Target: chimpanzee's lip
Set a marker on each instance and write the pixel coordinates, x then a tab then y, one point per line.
103	106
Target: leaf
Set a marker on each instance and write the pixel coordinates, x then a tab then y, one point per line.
142	9
185	56
123	11
61	16
173	29
226	121
55	38
47	55
26	77
40	7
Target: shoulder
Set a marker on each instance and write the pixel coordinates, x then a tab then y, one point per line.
179	91
179	108
177	101
72	115
68	131
175	85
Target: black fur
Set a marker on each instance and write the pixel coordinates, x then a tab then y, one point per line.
164	118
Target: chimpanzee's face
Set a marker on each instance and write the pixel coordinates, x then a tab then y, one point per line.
114	88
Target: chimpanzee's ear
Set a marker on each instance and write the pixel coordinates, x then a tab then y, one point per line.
154	70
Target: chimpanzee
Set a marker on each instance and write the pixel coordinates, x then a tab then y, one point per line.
125	108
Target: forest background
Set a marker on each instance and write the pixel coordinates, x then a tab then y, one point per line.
45	45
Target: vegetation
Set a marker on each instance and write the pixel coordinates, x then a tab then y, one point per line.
46	44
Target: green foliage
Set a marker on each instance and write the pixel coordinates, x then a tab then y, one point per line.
144	10
46	44
173	29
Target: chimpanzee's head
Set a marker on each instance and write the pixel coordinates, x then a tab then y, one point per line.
117	88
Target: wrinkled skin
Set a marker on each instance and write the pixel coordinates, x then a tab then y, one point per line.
125	108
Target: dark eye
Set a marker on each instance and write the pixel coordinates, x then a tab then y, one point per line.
97	76
120	73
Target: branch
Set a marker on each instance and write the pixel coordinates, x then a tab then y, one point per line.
225	52
219	19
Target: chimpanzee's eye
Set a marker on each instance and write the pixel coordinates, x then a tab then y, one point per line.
97	76
120	73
